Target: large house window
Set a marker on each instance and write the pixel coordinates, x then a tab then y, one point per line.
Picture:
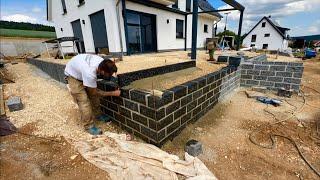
252	45
205	28
188	5
253	38
179	28
267	35
175	5
264	24
64	8
265	46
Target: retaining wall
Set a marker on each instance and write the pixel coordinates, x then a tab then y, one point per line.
157	119
272	75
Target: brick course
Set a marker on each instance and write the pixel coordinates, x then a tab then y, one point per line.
272	75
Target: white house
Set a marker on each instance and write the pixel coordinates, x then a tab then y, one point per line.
267	34
145	26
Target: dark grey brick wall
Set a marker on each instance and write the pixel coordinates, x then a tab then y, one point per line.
54	70
158	119
272	75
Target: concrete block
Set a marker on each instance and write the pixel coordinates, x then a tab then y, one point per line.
292	80
131	105
260	77
173	127
253	72
165	122
268	73
179	91
277	68
180	112
147	112
284	74
261	67
275	79
172	107
14	104
138	96
247	66
193	147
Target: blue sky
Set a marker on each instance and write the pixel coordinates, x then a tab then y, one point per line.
301	16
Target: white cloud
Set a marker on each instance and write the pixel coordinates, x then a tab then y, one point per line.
278	9
314	28
36	10
19	18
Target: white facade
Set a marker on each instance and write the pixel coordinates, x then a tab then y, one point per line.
274	41
165	24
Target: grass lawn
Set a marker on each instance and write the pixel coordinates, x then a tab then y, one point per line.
26	33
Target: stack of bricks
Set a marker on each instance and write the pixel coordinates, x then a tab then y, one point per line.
158	119
272	75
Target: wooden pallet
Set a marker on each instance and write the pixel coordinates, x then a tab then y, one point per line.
2	111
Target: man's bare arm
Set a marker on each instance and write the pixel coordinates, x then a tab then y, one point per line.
95	91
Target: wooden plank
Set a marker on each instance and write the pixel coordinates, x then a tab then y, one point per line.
2	111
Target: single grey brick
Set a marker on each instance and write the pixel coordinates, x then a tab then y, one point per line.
295	64
131	105
282	85
284	74
277	68
268	73
280	63
246	76
14	104
297	75
260	77
275	79
193	147
252	82
243	71
253	72
247	66
292	80
266	83
295	87
294	69
261	67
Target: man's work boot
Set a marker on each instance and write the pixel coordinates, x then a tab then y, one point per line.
93	130
103	118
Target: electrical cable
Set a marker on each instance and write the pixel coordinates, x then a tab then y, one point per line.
31	135
273	136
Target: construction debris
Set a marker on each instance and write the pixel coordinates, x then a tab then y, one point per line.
284	92
14	104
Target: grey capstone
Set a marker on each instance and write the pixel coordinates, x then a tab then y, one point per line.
193	147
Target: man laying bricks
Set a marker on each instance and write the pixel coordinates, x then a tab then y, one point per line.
82	72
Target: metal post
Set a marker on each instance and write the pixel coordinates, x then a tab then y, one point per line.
185	31
239	30
47	50
60	48
194	30
124	14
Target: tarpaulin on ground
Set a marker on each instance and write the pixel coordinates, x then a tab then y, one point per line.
124	159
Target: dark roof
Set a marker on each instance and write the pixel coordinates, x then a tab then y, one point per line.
204	5
307	38
275	25
62	39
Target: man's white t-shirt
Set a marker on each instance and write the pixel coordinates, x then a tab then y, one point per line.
84	68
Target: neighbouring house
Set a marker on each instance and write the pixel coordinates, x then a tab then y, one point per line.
267	34
144	26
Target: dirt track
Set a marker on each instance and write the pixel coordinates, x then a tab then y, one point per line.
223	132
